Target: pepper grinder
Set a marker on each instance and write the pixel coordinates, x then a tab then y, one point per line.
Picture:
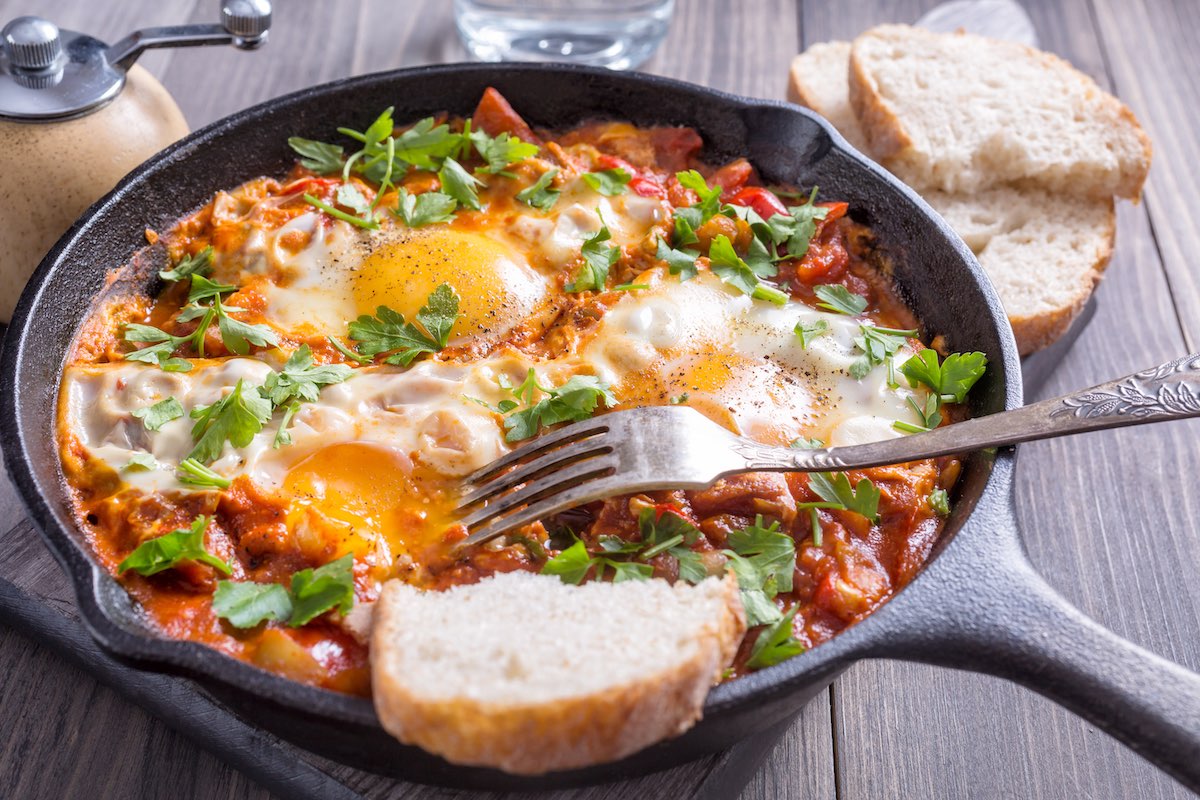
76	115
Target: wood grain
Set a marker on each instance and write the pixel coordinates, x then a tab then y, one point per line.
1153	65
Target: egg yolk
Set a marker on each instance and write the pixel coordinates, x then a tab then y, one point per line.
496	288
367	499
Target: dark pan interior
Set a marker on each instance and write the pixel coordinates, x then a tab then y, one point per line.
932	268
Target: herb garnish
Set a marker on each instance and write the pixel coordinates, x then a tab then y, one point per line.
661	531
929	415
312	593
172	549
598	259
763	558
539	195
608	182
834	488
746	277
200	263
679	262
807	331
575	400
501	151
950	380
878	345
388	331
141	462
235	418
835	297
301	379
777	643
153	417
193	473
460	184
418	210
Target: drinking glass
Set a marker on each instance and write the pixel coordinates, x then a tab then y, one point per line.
619	34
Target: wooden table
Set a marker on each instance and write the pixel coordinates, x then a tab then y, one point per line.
1107	518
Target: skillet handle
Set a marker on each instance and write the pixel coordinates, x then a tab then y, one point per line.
988	611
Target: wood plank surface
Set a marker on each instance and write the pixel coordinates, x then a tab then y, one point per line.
1112	537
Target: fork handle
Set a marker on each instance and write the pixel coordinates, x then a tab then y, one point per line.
1166	392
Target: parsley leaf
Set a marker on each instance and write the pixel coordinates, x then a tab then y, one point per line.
775	644
388	330
141	462
878	345
337	213
598	258
193	473
424	144
834	487
282	436
952	379
460	184
836	297
709	204
321	158
246	604
571	565
238	335
575	400
200	263
804	225
172	549
501	151
539	195
775	551
418	210
301	379
163	345
609	182
316	591
763	559
731	269
236	418
929	416
679	262
807	331
153	417
351	197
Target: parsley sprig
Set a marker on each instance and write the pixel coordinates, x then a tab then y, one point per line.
235	418
598	259
763	558
312	593
951	379
835	489
172	549
575	400
662	531
389	332
539	195
746	276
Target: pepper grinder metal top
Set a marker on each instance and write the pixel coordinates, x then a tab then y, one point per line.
49	74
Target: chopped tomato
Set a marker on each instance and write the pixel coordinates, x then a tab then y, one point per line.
495	116
644	184
763	201
732	177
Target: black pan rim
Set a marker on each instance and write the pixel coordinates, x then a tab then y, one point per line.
193	659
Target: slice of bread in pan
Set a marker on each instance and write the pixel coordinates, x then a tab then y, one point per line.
1045	253
818	80
960	113
525	673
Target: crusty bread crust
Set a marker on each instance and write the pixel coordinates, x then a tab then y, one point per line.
535	737
1035	332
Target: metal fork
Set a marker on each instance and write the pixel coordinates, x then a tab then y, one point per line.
676	447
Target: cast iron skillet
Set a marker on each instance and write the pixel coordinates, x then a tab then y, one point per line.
978	605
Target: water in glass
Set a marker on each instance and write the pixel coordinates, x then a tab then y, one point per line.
619	34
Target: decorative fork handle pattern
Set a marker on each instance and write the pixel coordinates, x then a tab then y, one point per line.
1166	392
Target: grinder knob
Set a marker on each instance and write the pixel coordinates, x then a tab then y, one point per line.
247	21
32	43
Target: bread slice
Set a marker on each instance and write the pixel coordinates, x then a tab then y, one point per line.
525	673
819	80
1045	253
961	113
